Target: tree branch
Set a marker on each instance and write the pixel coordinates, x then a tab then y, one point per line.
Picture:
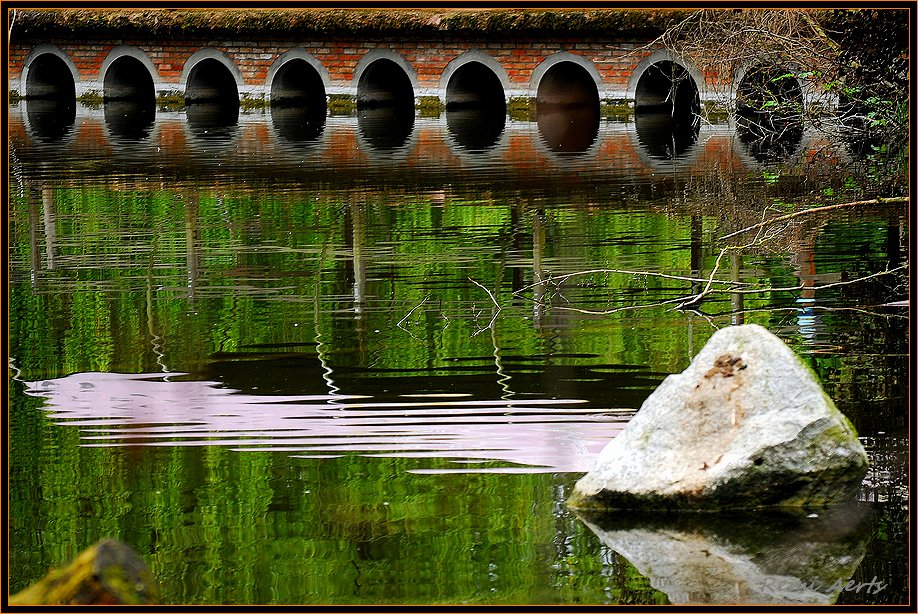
783	218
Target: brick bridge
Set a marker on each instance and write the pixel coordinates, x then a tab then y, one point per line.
600	59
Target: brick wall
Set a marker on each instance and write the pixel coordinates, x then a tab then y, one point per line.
615	62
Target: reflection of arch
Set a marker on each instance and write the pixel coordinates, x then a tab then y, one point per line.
384	78
298	131
48	72
665	56
209	74
475	129
297	76
386	133
569	130
476	136
127	72
553	90
474	77
688	157
758	156
50	120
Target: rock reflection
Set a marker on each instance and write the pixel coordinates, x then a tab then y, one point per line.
568	129
128	119
50	119
742	558
664	137
476	129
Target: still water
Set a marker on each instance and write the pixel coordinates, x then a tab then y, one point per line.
363	359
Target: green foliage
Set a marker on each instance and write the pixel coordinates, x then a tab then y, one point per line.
147	279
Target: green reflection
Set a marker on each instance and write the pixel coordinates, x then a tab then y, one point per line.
319	290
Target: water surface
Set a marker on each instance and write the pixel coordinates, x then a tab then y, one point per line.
301	359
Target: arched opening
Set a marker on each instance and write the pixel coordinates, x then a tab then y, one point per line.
50	78
128	79
211	82
384	84
298	103
769	90
769	112
567	108
667	87
476	109
51	93
298	84
129	99
666	107
567	83
212	100
475	85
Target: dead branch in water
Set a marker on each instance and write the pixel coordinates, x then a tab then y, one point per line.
692	299
783	218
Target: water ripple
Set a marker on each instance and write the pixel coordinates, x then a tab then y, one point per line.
521	436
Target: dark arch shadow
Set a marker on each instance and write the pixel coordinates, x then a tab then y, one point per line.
474	85
298	84
212	100
567	109
298	103
384	84
769	92
769	110
129	99
476	109
128	79
49	78
667	87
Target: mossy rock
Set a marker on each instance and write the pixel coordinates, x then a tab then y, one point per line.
108	573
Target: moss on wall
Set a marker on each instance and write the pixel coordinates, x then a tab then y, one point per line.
271	22
91	99
341	104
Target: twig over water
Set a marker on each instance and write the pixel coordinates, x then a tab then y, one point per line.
783	218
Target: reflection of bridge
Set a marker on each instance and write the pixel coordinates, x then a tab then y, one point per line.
279	143
448	58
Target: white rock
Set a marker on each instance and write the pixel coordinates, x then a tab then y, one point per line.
746	425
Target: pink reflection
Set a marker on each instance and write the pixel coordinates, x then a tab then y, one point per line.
539	435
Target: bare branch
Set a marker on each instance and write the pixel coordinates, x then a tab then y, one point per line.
413	309
783	218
